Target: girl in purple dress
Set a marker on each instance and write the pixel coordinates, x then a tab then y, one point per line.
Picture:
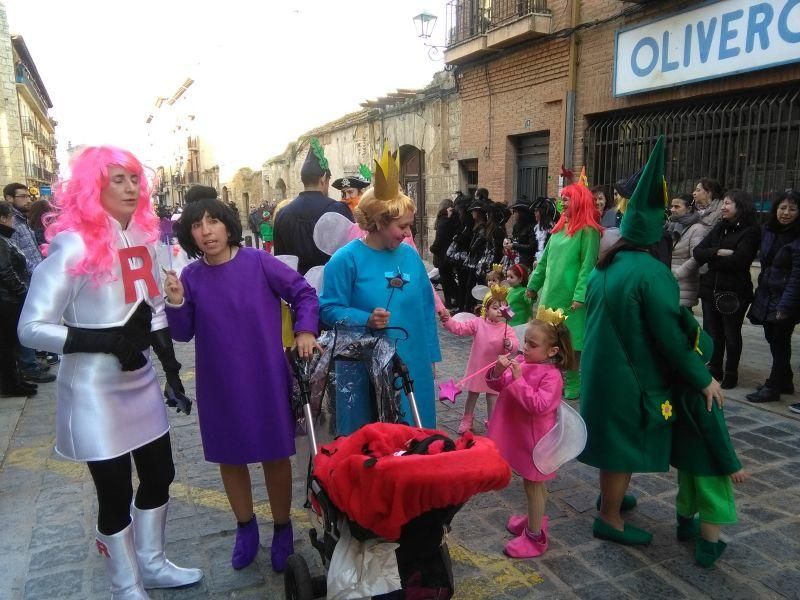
230	303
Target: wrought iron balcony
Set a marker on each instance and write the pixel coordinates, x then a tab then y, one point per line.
505	11
477	27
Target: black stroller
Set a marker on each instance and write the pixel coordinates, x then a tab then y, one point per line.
416	458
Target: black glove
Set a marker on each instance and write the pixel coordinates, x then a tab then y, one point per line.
174	393
105	342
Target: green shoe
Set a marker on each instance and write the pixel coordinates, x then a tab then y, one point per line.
706	553
628	502
631	536
688	528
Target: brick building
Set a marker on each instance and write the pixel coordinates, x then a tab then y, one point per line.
538	88
423	124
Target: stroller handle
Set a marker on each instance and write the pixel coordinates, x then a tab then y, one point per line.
407	384
305	396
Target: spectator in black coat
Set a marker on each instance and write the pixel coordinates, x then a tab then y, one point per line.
777	300
468	274
522	245
726	288
447	226
14	280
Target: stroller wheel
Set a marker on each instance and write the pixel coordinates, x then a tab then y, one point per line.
297	581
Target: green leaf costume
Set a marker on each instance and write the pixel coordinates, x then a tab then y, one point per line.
562	274
635	350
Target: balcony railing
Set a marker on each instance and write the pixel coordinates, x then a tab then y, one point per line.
505	11
28	128
466	19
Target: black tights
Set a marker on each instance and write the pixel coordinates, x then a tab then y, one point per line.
112	479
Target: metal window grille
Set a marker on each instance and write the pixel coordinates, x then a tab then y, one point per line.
751	143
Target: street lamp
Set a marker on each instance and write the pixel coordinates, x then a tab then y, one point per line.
424	22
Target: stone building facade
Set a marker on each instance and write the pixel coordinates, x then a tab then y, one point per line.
536	80
424	124
27	132
245	190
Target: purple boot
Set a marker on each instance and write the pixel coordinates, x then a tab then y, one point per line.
246	546
282	546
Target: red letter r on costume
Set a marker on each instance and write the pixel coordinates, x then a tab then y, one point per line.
102	549
130	275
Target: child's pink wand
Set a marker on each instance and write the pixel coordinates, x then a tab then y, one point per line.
450	389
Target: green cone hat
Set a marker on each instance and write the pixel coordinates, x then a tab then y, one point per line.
643	222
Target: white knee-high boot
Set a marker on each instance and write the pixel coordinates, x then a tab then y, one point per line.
121	565
157	571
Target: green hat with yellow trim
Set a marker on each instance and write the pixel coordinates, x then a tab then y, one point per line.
643	222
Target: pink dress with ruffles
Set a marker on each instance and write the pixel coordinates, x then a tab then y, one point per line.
526	410
486	347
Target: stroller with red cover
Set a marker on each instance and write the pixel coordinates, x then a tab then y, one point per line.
389	482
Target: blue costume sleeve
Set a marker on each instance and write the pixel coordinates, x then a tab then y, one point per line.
429	314
338	283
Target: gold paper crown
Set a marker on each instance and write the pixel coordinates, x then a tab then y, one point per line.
497	268
496	293
554	317
387	175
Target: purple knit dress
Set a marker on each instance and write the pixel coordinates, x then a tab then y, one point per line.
243	380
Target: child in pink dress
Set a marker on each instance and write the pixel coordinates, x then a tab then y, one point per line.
530	394
492	336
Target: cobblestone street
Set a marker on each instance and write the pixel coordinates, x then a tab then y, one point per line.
48	509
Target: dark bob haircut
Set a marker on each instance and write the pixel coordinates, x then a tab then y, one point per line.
194	212
745	209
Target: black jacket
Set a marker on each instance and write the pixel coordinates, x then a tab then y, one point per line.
523	242
294	228
728	273
779	280
14	278
446	230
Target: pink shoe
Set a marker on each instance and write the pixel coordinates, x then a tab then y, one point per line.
465	425
523	546
517	523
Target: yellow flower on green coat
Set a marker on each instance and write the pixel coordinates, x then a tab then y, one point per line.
666	410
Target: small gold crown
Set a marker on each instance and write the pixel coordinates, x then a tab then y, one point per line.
387	174
554	317
497	268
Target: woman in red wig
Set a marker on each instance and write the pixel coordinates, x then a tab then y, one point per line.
561	274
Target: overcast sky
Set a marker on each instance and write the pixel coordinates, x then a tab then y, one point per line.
265	71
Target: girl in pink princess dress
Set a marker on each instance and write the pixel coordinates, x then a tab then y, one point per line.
530	394
491	335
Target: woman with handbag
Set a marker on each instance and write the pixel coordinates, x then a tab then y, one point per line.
447	226
777	300
726	289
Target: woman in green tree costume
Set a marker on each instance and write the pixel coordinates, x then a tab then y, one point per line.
635	351
562	272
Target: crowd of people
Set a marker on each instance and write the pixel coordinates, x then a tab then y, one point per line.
614	282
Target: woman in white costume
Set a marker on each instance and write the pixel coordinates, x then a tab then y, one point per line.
96	299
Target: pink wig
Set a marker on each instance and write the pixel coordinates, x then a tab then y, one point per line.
79	209
581	210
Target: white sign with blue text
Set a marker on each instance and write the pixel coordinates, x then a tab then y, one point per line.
713	40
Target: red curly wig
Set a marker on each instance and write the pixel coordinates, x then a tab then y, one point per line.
581	210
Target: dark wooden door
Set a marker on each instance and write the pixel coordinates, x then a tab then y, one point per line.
412	180
532	159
